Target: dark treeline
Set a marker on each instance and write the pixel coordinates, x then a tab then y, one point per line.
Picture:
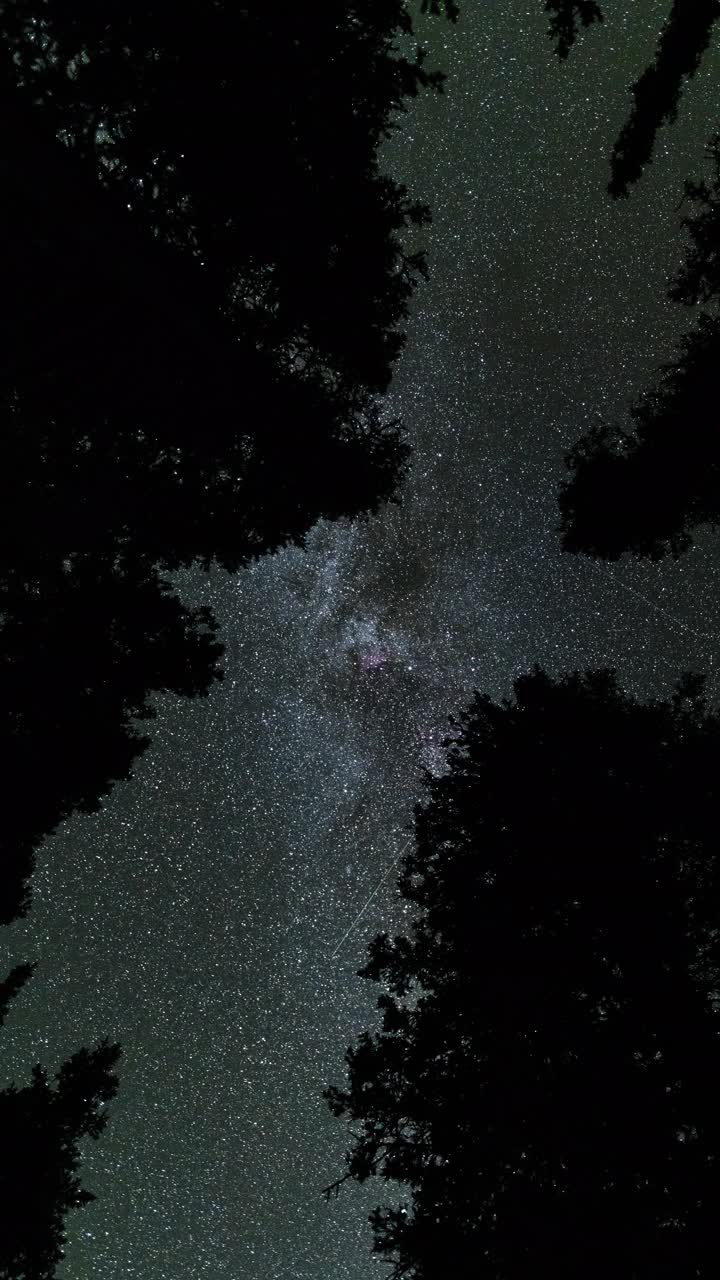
542	1095
204	296
204	293
544	1087
656	93
567	17
41	1128
645	489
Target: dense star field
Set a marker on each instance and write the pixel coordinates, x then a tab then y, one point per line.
209	917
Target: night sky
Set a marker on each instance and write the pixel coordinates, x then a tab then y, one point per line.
205	917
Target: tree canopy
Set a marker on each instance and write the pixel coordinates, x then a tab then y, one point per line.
656	94
543	1088
566	18
40	1158
644	491
247	137
205	288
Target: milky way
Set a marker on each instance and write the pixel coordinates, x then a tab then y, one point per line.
213	915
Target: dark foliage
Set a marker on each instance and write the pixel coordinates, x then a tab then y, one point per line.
39	1160
566	18
41	1129
204	291
12	985
544	1085
436	7
656	94
646	491
80	652
89	629
698	281
247	136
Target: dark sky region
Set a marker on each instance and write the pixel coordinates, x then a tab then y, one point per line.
205	917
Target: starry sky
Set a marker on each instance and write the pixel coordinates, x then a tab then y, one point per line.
212	916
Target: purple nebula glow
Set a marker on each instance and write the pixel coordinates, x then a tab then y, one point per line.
372	659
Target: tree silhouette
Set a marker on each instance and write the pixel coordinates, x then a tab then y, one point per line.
137	338
656	94
645	491
544	1084
698	281
566	18
11	986
79	658
204	294
276	192
40	1160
